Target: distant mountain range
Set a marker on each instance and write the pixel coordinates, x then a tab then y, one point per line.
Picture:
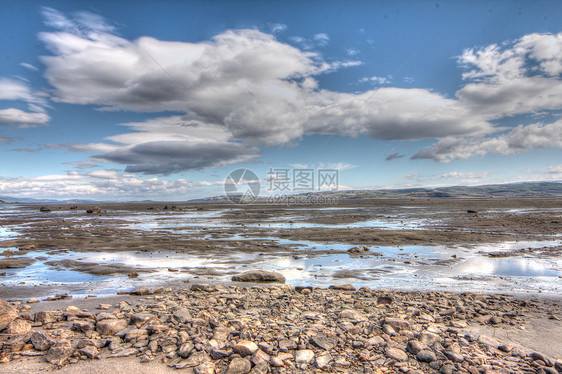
29	200
510	190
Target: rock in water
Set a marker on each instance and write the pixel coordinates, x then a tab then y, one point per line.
259	276
94	210
7	314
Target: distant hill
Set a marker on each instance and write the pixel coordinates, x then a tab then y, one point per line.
510	190
29	200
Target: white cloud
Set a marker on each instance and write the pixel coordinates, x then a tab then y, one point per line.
106	184
82	164
376	80
167	145
14	90
19	118
555	169
519	78
462	175
244	82
352	51
29	66
278	27
17	90
258	91
321	39
518	140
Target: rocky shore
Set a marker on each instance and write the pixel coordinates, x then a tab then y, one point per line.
237	329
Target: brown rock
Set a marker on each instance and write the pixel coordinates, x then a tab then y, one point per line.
245	348
205	368
140	291
59	352
110	326
18	327
396	354
239	365
95	210
259	276
397	323
7	314
45	316
89	351
353	315
41	341
342	287
304	356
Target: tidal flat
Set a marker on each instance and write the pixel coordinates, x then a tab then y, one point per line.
442	286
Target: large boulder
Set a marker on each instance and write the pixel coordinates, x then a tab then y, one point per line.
7	314
259	276
18	327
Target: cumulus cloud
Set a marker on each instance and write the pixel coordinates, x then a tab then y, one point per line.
257	91
518	140
166	145
523	77
105	184
246	83
167	157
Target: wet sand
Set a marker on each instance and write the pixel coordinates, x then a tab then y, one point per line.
408	244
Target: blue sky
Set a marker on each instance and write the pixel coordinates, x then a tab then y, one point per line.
161	100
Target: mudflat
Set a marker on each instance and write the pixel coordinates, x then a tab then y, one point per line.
370	286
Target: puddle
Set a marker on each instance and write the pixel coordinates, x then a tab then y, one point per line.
378	223
453	268
7	233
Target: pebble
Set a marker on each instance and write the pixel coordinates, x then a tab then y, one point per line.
279	329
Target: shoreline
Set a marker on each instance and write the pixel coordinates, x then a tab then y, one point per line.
295	330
